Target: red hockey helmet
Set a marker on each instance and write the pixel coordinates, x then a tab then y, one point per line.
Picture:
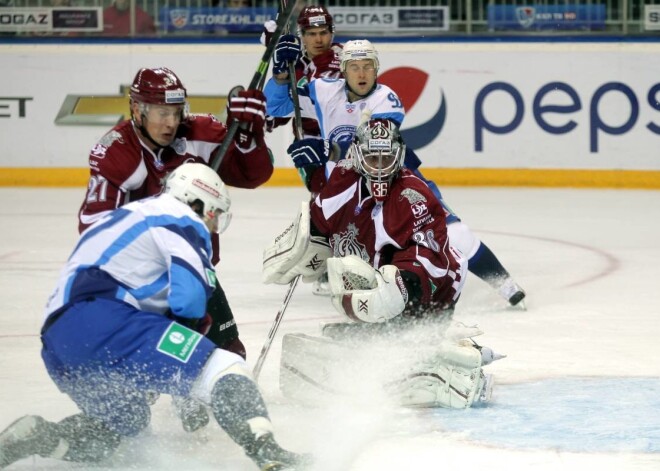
313	16
157	86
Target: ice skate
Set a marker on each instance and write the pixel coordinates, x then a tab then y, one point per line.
321	287
29	435
193	414
269	456
513	293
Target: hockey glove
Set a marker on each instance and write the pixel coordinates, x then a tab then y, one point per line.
309	151
363	293
287	50
248	107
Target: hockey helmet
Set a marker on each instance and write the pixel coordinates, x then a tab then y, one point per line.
312	16
193	182
378	151
157	86
356	50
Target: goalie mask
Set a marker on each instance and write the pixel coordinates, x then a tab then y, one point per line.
378	151
198	183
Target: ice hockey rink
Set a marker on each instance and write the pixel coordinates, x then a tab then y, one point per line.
580	388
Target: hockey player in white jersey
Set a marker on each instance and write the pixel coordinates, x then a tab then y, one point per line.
339	105
121	323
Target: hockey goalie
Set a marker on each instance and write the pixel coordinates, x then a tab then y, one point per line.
382	237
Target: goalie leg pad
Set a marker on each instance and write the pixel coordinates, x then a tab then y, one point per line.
453	378
295	252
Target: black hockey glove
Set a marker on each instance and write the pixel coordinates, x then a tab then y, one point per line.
286	51
310	151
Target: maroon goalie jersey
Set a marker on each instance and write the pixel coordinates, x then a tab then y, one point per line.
122	169
408	230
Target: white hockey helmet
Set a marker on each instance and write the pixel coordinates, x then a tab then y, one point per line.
356	50
193	182
378	152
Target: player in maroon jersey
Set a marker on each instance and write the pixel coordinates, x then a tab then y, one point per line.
374	208
131	161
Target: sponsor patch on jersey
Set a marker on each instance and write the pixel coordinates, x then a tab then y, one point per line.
179	342
98	151
419	209
210	277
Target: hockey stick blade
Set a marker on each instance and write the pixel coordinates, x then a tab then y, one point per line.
262	69
273	329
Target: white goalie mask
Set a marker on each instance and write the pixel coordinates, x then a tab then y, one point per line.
193	182
378	151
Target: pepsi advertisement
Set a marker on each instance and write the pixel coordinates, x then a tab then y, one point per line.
546	17
216	20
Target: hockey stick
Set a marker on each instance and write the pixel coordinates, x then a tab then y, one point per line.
273	329
293	85
262	69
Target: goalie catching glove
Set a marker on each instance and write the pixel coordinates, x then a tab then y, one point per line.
248	107
363	293
296	252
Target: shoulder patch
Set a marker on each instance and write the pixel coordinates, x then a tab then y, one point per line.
413	196
101	147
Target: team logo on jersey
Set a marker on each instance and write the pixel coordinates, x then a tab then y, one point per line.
346	243
377	209
179	342
413	196
342	133
179	145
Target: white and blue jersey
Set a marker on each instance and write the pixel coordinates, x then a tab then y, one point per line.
107	339
327	101
152	254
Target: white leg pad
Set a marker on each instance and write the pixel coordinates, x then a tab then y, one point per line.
453	378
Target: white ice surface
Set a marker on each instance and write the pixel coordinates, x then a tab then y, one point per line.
579	389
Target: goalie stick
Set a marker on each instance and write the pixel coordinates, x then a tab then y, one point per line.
273	329
282	22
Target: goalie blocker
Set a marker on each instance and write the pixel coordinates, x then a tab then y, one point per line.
296	252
